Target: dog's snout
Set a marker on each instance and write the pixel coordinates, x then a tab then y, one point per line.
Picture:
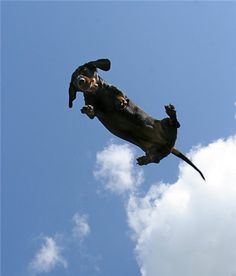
85	83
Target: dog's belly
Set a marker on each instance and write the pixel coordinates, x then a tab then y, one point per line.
144	135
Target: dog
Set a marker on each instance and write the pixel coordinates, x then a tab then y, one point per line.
122	117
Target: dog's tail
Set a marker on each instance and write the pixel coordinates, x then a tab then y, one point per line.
183	157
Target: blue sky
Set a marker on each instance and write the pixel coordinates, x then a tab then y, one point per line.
161	52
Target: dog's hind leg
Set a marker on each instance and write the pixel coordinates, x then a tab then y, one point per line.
154	155
147	159
150	157
171	112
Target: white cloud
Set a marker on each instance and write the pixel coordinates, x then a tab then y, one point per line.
48	257
185	228
115	168
81	228
189	227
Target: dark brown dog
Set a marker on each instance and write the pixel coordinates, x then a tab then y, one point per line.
122	117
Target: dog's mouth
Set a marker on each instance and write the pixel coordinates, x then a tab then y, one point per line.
86	84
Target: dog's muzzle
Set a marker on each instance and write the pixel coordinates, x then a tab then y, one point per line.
85	84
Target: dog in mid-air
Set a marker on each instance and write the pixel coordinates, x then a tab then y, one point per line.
123	117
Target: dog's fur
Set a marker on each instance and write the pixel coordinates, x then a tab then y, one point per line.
124	118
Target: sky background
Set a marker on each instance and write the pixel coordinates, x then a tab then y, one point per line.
66	210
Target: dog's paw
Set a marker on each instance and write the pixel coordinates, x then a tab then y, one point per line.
143	160
147	159
121	103
170	110
88	110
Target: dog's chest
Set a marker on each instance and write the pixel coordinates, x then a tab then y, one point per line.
102	100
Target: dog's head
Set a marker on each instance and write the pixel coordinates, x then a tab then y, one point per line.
85	78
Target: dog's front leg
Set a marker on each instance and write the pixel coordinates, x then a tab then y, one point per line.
88	110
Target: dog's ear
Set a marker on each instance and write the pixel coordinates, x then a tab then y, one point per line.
72	94
103	64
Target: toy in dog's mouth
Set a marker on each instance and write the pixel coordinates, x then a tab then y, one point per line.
86	84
